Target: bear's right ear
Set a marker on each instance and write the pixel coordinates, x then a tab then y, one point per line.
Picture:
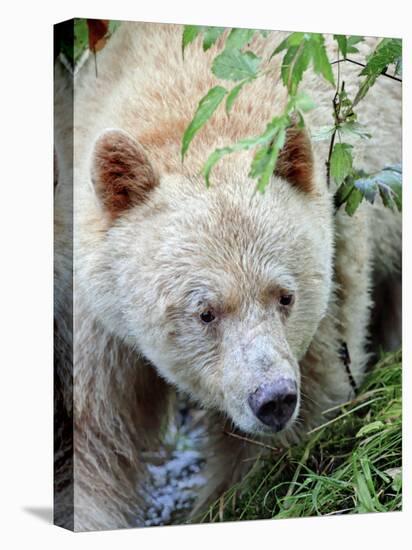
121	172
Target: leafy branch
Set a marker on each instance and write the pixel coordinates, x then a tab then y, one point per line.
353	190
236	64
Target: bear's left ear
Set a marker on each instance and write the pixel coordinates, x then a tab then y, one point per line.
295	161
121	173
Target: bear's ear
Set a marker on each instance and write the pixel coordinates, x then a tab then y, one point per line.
121	172
295	161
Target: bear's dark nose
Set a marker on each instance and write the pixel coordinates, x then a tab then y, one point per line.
274	403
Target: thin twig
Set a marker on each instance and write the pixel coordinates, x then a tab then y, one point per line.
384	73
332	143
253	441
336	112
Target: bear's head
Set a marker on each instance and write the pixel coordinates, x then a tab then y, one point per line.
221	289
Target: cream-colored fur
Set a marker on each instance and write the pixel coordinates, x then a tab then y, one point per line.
138	281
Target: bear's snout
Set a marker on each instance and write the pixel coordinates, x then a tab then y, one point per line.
274	403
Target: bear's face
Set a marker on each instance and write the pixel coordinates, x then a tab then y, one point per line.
222	290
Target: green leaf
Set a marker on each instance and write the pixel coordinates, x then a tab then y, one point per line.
375	426
239	38
343	192
351	42
388	182
341	162
190	32
259	162
354	128
207	106
325	132
353	201
368	187
212	160
303	102
235	65
264	162
81	40
301	50
113	25
388	197
294	39
388	51
321	63
272	128
342	43
234	92
210	36
294	64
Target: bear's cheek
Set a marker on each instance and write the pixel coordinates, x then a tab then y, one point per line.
188	356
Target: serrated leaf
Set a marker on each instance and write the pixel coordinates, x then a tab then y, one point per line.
190	32
207	106
294	64
325	132
388	182
268	169
272	128
368	187
235	65
301	50
342	193
351	42
239	38
353	201
266	164
341	161
387	196
294	39
234	92
211	34
342	43
388	51
321	63
354	128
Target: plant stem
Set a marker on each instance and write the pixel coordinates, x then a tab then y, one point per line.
332	143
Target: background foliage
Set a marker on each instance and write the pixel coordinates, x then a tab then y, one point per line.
301	51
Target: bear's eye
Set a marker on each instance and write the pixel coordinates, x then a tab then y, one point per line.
286	299
207	316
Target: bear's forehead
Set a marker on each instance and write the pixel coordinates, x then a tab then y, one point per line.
228	235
